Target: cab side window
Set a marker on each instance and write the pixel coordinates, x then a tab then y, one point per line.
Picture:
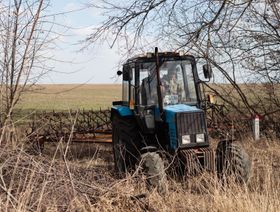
125	93
128	85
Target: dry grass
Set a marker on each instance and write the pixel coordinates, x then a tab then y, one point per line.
83	180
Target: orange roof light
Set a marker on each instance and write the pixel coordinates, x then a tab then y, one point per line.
149	54
181	52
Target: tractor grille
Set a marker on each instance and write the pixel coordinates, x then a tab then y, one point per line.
190	123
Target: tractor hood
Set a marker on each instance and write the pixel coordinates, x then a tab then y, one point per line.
180	108
172	112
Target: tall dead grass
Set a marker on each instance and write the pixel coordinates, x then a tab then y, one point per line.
54	181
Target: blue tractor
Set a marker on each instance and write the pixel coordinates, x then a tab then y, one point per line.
160	120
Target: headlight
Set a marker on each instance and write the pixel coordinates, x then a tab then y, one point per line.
200	138
186	139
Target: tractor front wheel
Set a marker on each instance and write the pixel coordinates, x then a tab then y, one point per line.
153	167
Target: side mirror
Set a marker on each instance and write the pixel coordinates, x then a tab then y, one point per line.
127	75
207	71
119	73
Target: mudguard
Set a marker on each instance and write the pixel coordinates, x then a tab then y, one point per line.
122	110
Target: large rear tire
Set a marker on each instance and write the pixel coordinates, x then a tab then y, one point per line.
119	150
153	167
232	161
126	139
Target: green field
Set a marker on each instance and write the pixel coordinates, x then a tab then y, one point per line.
96	96
65	97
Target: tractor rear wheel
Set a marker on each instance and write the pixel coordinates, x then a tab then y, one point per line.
232	161
153	167
126	139
119	150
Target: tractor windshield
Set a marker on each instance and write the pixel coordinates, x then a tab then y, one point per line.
177	83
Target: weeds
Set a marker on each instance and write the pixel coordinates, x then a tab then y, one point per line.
54	182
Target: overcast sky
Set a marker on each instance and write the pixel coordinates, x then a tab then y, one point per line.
94	65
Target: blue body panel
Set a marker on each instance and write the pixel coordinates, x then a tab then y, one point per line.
122	110
170	114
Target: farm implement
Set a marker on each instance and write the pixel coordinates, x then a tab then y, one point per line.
83	126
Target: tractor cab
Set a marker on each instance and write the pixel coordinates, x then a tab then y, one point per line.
177	83
178	80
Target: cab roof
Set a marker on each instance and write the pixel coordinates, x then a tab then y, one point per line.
150	56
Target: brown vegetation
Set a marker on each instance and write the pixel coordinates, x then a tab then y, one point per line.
67	177
82	178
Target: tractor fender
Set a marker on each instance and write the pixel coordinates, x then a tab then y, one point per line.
122	111
148	149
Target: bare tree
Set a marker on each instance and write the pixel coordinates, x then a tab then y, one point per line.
240	38
24	38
